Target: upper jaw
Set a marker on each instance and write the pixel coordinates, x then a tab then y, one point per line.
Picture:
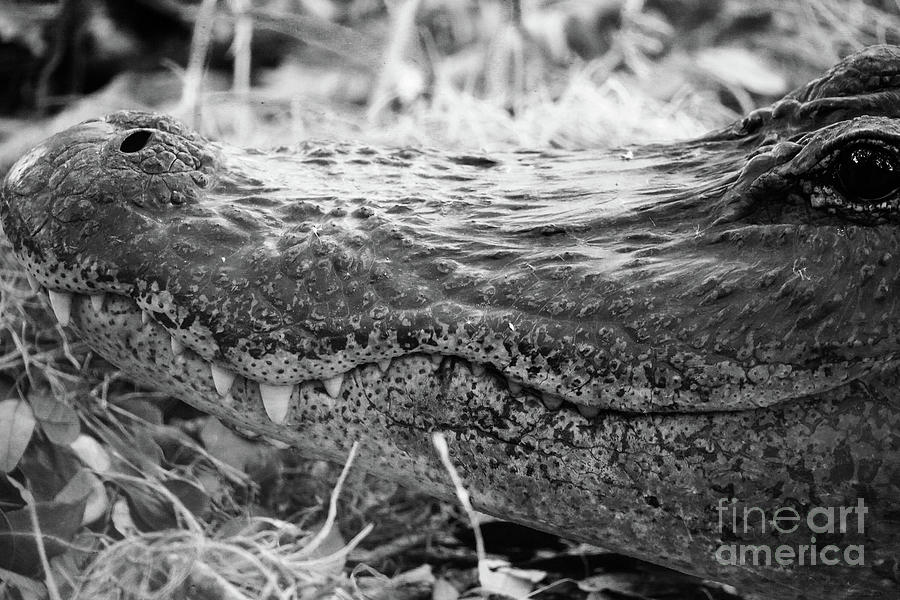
145	349
280	373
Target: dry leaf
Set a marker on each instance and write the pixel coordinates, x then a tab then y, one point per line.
91	453
498	577
16	428
58	420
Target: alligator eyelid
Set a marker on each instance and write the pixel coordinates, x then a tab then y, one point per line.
837	149
862	143
861	138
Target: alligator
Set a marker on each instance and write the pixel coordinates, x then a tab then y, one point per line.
683	352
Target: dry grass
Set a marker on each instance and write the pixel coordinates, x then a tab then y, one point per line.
260	558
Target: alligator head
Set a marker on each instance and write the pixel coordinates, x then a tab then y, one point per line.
686	352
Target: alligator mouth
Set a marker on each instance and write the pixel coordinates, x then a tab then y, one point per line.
139	325
117	327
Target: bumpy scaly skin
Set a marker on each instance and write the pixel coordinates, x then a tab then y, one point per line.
614	347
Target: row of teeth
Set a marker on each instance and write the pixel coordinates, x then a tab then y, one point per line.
276	398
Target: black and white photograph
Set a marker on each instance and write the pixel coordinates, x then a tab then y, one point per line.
449	300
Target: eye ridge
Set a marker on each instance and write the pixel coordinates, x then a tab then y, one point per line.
867	172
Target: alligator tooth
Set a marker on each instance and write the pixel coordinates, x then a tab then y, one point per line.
589	412
97	302
276	399
177	347
551	401
477	369
61	303
437	359
333	385
222	378
32	282
515	388
145	317
384	365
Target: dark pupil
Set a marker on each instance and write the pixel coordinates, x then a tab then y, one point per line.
868	174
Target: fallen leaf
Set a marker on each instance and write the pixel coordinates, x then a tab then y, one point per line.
59	521
151	511
192	495
48	469
136	446
10	498
444	590
140	449
421	574
86	485
16	428
91	453
498	577
121	518
29	588
57	419
616	582
234	450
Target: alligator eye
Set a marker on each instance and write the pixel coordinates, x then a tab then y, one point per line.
868	173
135	141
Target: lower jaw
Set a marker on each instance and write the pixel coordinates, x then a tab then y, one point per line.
391	413
591	479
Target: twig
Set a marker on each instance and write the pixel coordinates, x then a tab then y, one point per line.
49	581
440	444
317	540
193	76
403	30
243	36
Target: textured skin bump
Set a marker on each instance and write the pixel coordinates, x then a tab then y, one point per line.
727	336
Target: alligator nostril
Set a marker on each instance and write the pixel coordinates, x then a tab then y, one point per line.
135	141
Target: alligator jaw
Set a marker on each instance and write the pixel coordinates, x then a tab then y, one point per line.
636	483
121	331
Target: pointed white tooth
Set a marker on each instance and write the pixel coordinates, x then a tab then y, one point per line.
276	399
32	282
333	385
222	378
437	359
515	388
145	317
177	347
61	302
477	369
97	302
384	365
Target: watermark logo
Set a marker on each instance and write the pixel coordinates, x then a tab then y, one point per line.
819	520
